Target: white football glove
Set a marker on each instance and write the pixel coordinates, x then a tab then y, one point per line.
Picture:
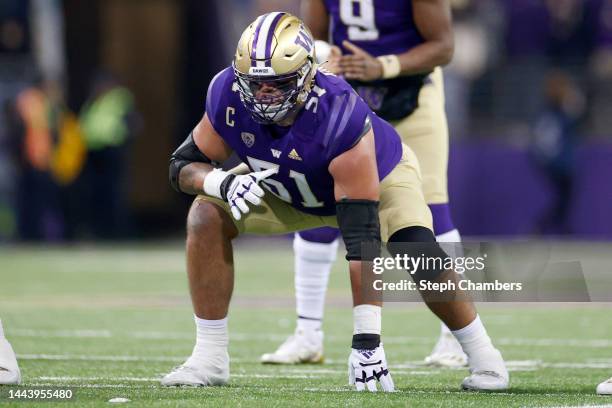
237	190
365	367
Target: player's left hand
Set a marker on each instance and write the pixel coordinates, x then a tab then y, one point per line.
366	367
359	64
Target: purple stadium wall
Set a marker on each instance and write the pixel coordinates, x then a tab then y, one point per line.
496	189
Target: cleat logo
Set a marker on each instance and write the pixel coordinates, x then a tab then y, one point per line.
276	153
294	155
248	139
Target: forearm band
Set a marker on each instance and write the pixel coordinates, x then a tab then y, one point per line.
360	228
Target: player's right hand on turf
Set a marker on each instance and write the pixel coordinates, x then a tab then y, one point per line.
237	190
367	367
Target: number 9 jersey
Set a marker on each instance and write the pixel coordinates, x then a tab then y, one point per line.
380	27
333	119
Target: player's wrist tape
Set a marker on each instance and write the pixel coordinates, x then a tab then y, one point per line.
367	319
217	183
391	65
365	341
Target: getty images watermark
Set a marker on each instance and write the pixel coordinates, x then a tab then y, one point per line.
498	271
459	264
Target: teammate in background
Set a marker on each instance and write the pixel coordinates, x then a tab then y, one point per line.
9	370
605	388
391	52
323	159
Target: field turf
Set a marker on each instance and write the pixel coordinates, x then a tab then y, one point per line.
110	321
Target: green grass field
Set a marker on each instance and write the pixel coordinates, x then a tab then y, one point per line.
111	321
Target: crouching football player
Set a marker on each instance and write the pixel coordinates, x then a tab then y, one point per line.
315	155
9	370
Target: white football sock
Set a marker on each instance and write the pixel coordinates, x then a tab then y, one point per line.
211	336
473	338
450	237
444	330
367	319
313	262
450	243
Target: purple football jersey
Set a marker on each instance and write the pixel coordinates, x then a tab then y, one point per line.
380	27
331	122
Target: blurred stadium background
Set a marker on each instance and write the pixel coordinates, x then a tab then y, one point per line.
528	98
96	94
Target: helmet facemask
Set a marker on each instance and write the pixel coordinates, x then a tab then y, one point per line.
271	98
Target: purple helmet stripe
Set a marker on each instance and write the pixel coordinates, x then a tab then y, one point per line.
255	38
270	37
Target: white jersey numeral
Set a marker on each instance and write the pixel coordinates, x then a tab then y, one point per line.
278	189
309	199
273	186
313	103
361	24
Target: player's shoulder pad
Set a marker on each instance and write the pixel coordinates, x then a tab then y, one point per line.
220	91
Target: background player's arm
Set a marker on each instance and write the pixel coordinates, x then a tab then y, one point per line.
191	177
434	21
316	18
355	176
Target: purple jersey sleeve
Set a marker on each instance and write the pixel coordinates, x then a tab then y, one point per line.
347	121
216	94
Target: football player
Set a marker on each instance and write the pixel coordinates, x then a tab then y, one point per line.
605	388
316	156
9	370
391	52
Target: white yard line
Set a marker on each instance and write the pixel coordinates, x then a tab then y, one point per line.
157	335
582	406
153	382
410	368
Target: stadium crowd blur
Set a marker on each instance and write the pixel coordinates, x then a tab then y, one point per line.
529	102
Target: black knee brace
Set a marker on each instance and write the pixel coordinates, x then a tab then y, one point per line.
419	242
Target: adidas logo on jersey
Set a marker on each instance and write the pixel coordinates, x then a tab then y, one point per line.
294	155
276	153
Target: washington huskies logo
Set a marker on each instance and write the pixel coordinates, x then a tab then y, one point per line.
248	139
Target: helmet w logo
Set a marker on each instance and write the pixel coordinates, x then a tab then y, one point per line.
304	40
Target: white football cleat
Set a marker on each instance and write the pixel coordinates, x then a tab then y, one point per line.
195	373
487	372
9	370
303	347
605	388
447	353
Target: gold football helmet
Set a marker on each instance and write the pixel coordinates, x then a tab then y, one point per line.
274	66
